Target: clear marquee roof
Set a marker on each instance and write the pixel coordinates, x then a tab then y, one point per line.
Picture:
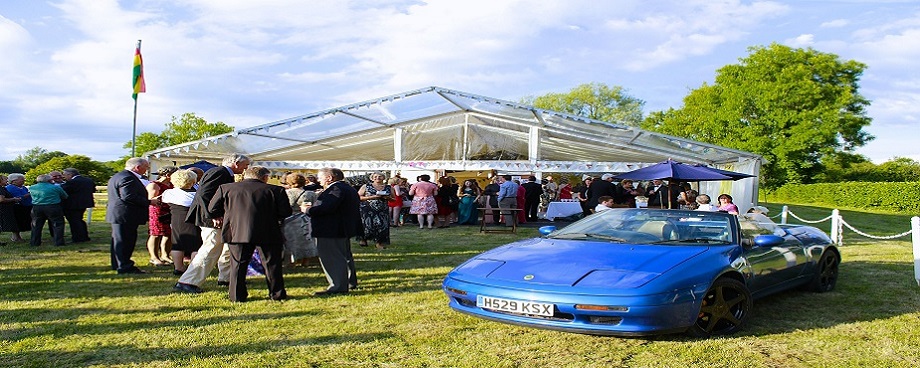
437	128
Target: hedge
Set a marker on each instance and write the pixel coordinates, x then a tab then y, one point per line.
902	197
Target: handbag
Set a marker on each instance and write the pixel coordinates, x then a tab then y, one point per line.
298	240
166	217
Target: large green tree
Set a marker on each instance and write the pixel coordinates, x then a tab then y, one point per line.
594	100
186	128
98	171
795	107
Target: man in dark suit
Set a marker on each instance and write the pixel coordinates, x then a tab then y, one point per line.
335	218
126	210
600	188
532	192
212	251
661	195
80	191
250	213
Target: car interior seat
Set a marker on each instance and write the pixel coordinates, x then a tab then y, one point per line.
661	229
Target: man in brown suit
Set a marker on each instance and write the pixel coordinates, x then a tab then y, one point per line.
250	214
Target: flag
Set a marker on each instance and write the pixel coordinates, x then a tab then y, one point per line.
139	85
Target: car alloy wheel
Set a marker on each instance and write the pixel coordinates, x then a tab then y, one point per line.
724	309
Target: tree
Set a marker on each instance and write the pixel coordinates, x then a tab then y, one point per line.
34	157
188	127
98	171
8	167
594	100
795	107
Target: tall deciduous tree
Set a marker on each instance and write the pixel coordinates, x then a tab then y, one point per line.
35	156
795	107
188	127
596	101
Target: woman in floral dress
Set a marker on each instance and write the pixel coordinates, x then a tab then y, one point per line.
375	214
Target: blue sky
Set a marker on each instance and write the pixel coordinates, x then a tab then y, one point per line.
66	66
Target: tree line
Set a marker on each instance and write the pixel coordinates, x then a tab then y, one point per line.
181	129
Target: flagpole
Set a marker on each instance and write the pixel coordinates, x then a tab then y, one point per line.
134	129
134	124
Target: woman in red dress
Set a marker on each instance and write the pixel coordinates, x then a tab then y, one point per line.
159	243
396	202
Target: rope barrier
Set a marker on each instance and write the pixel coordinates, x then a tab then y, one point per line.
908	232
810	222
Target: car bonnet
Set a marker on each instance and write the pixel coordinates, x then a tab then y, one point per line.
580	263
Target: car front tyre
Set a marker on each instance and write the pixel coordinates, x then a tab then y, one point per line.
724	309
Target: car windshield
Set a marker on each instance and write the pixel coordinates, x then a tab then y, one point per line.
653	226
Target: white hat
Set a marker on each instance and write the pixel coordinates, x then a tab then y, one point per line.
606	176
762	209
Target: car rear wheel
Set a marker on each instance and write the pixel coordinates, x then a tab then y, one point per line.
826	276
724	309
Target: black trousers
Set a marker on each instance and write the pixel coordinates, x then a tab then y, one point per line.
241	255
54	215
78	229
530	208
124	239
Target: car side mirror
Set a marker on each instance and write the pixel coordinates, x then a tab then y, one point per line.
768	240
545	230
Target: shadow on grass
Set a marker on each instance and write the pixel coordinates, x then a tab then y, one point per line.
865	291
112	355
62	326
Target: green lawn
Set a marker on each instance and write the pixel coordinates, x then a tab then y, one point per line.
62	307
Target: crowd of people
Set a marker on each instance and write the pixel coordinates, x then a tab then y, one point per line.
56	198
197	220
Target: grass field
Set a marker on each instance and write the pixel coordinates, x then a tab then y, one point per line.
63	307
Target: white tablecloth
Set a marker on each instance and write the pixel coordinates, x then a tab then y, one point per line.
562	209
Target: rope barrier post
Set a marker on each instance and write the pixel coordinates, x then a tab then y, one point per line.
915	230
836	233
89	215
785	215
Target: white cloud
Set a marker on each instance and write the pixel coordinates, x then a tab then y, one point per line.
836	23
804	40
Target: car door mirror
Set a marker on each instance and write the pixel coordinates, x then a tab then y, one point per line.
545	230
768	240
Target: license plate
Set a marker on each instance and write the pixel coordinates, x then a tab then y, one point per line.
514	306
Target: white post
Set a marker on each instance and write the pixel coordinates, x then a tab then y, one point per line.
785	215
915	232
89	215
836	234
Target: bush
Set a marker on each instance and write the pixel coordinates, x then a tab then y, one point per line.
892	197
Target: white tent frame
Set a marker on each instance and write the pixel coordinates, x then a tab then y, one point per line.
436	128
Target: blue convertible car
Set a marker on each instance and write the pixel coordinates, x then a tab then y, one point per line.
644	271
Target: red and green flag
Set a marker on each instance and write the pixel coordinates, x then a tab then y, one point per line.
139	85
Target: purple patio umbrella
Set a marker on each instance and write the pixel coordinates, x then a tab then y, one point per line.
673	170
